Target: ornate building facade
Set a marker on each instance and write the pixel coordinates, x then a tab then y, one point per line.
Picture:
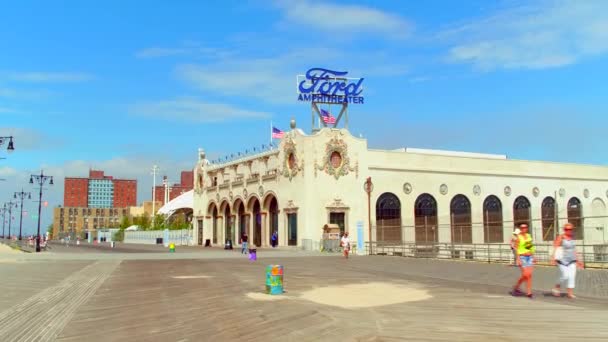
418	196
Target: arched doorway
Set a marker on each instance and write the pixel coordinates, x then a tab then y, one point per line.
228	229
214	216
460	211
492	220
425	219
547	212
388	218
257	221
273	219
521	212
242	219
575	216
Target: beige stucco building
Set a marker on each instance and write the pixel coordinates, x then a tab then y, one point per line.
421	196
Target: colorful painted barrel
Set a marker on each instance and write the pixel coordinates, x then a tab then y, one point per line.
172	247
274	279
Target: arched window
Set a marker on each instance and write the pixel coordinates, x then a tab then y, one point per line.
547	212
575	216
492	219
388	218
460	211
425	219
521	212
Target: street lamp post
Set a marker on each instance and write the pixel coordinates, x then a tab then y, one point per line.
40	180
369	187
21	195
154	171
9	207
11	147
3	210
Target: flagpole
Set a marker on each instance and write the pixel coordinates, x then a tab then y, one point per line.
271	134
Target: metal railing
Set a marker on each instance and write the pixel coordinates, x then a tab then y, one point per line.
458	229
594	256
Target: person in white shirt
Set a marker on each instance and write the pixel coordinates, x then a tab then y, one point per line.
345	243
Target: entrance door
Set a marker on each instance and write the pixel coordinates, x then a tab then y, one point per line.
200	232
257	225
337	218
292	229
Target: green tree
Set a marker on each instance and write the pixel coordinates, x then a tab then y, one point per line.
125	223
119	235
179	222
159	221
49	230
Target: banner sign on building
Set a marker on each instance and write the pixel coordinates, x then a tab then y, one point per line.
330	86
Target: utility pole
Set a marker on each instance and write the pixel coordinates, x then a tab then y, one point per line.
3	210
154	171
21	195
10	206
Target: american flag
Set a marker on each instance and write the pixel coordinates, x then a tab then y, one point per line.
277	133
327	117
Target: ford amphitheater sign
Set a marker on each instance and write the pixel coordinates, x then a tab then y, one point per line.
329	86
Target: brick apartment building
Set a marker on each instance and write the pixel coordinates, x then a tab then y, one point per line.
186	184
99	191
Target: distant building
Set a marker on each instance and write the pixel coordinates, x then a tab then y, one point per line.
186	184
99	191
73	221
81	221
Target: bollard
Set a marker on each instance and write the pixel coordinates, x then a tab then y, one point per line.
172	247
274	279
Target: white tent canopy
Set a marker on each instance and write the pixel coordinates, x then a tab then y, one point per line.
183	201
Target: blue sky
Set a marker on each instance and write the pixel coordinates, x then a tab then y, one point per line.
119	86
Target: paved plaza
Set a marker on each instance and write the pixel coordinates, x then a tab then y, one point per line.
143	293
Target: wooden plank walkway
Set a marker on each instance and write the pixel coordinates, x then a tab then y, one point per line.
144	301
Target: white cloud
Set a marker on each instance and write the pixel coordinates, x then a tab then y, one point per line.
341	19
160	52
27	139
49	77
194	110
542	35
190	49
271	79
419	79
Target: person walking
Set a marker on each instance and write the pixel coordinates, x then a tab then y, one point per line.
244	242
274	239
525	260
514	245
345	243
565	256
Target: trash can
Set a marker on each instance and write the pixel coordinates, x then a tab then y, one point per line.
228	244
208	243
253	254
274	279
172	247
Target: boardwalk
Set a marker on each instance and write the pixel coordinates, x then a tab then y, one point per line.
207	298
